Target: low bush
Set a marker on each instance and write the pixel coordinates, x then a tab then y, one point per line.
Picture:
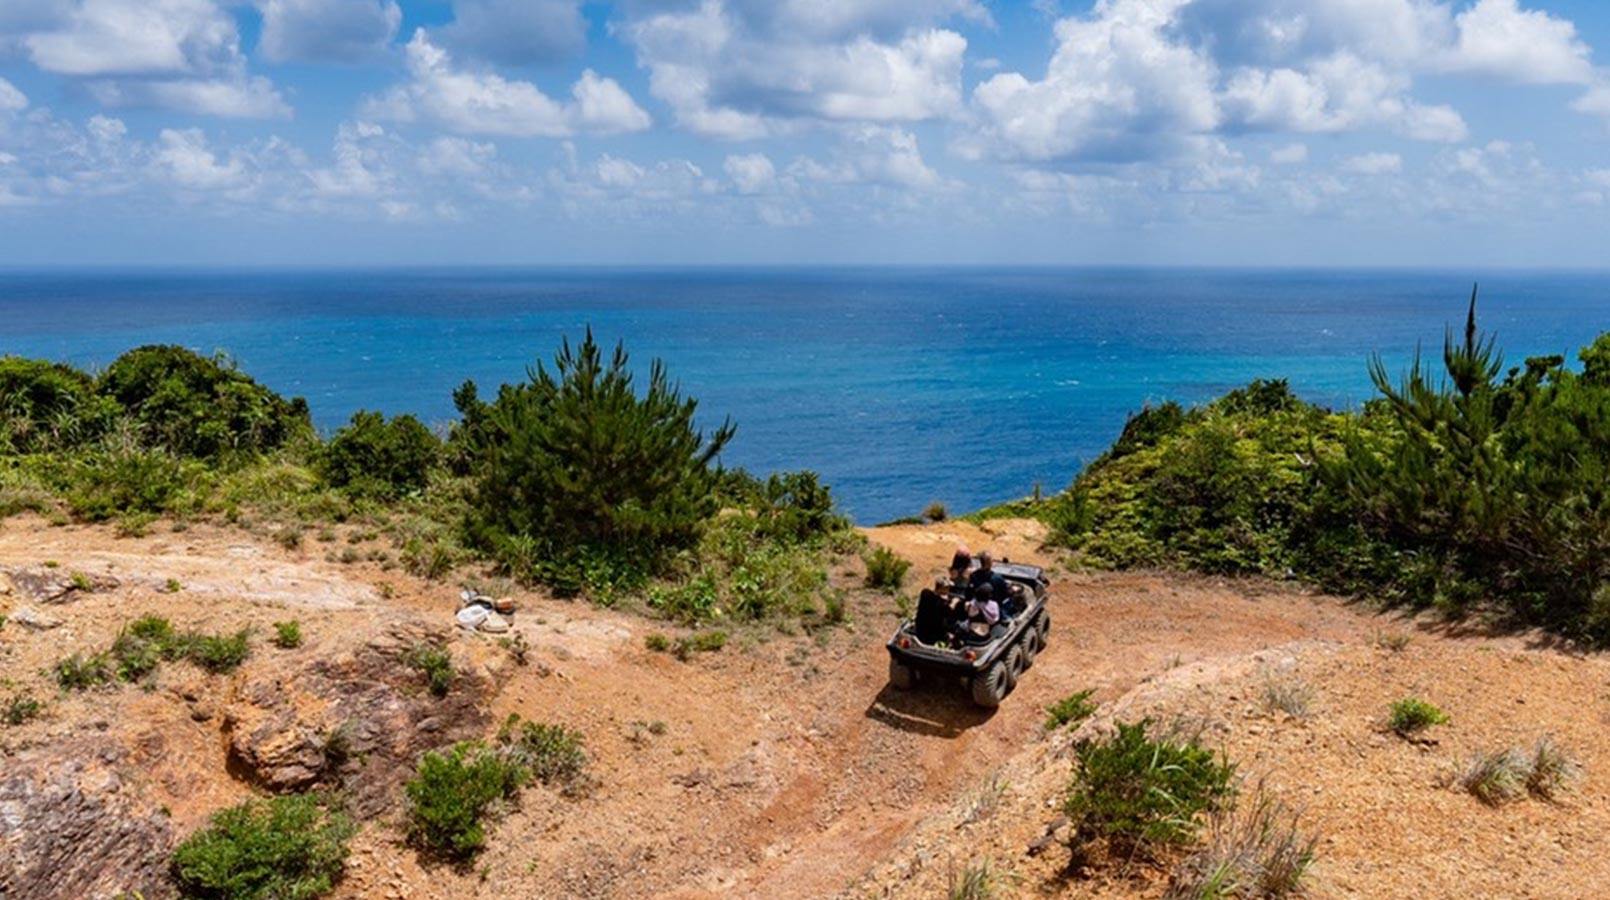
552	754
373	457
288	635
1254	850
78	672
436	664
1411	715
935	512
1070	710
218	653
451	795
886	570
698	642
280	848
20	708
1137	791
657	643
1496	778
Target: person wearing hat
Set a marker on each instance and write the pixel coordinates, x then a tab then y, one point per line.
983	613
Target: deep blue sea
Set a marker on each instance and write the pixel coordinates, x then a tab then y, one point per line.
900	385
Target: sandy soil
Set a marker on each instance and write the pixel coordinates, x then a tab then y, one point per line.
785	767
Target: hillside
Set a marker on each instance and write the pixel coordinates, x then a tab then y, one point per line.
781	766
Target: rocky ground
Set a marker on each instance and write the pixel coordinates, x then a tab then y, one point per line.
780	767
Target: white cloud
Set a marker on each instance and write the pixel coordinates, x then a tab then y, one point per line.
1289	155
248	98
1497	37
326	30
1596	102
516	32
747	68
1373	164
751	173
11	99
183	157
471	101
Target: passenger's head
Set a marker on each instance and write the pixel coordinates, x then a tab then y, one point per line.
941	585
985	593
985	560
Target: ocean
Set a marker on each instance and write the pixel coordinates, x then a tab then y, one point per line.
901	386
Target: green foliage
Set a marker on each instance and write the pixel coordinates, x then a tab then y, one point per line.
218	653
78	672
1254	850
1411	714
280	848
199	406
975	882
886	570
47	407
116	479
371	457
1070	710
453	792
698	642
657	643
552	754
20	708
575	461
1496	778
288	635
1135	790
935	512
435	664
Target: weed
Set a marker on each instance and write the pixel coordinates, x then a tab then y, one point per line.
218	653
517	646
173	586
326	535
289	537
1553	772
1411	715
935	512
699	642
1253	850
1496	778
552	754
975	882
286	848
81	582
886	570
288	635
20	708
135	524
1136	790
77	673
1393	641
657	643
983	803
1070	710
435	664
1288	694
52	564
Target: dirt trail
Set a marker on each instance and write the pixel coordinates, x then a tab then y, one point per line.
784	767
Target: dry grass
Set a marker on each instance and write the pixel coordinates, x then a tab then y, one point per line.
1256	848
1496	778
1288	694
976	882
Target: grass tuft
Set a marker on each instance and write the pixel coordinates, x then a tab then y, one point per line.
1412	715
1070	710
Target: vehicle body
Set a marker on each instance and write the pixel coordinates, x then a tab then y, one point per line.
990	670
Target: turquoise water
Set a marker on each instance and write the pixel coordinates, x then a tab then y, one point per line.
901	386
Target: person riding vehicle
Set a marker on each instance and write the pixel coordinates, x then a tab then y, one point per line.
986	575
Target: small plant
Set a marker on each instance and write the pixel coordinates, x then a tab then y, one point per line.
281	848
218	653
1070	710
1136	790
1496	778
51	564
1411	715
698	642
435	664
288	635
77	673
1393	641
1289	695
657	643
983	803
173	586
935	512
81	582
1253	850
976	882
1552	771
289	537
518	647
20	708
452	793
886	570
552	754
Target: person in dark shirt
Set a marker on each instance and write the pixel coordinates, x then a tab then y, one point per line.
986	574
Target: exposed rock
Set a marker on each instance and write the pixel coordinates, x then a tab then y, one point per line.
28	617
357	721
58	585
68	833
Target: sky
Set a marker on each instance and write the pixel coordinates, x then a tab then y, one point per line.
1427	133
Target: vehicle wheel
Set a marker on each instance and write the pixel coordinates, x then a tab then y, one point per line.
901	676
1031	645
1015	666
1044	626
989	686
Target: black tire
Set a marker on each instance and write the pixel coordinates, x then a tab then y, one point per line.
901	676
989	686
1044	627
1016	665
1031	645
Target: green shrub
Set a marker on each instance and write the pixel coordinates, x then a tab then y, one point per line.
371	457
1412	714
552	754
219	653
575	460
451	795
435	664
20	708
1135	790
48	407
77	672
288	635
1070	710
112	481
197	406
886	570
280	848
935	512
657	643
698	642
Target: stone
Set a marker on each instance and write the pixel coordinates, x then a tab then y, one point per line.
58	585
31	618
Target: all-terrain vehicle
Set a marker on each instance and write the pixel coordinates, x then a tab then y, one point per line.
990	669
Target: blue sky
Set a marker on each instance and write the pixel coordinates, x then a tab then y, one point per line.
1473	133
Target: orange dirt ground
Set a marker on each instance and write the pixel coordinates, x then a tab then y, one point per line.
787	768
